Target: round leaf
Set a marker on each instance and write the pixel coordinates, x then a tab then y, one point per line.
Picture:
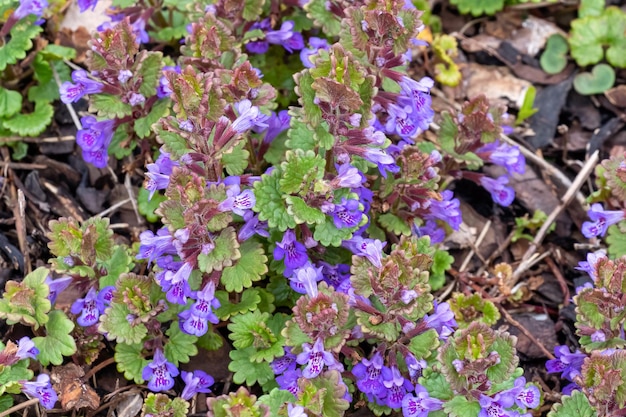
600	79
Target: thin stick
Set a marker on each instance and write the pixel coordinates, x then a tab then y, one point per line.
20	406
560	279
526	332
497	253
22	165
565	200
113	207
98	367
479	240
21	229
131	196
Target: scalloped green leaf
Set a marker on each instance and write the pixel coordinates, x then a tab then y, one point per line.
252	9
10	102
58	341
235	160
302	212
270	204
115	325
148	68
109	106
478	7
554	58
616	241
300	136
575	405
299	170
180	346
590	36
130	361
18	43
394	224
27	302
442	261
276	399
459	406
250	329
316	11
251	267
173	143
31	124
328	234
247	371
143	126
250	298
226	251
424	344
162	405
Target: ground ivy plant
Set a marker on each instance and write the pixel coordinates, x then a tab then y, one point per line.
300	227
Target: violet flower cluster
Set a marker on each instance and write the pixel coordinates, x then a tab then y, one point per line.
285	36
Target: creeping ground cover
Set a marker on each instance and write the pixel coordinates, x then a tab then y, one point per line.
311	208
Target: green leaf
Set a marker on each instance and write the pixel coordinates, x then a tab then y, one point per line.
226	251
31	124
591	35
18	43
245	370
394	224
600	79
299	170
118	263
121	144
130	361
328	234
109	106
554	58
302	212
143	126
148	69
424	344
300	136
312	112
442	261
325	139
616	241
276	399
210	340
235	160
436	384
11	375
173	143
478	7
459	406
317	11
527	109
27	302
576	405
54	52
250	298
591	8
58	341
10	102
179	346
6	402
270	204
115	324
252	9
250	330
147	207
251	267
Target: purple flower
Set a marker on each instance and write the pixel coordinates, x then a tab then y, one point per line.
368	375
504	155
347	177
139	30
569	364
397	386
370	248
196	382
600	220
402	121
28	7
41	389
237	201
124	75
289	380
499	192
315	358
99	158
420	405
334	275
176	291
252	226
206	303
286	37
193	324
136	99
88	307
347	214
293	252
305	279
589	266
415	367
153	246
285	363
164	89
442	320
71	93
276	124
86	4
249	115
57	286
306	53
448	210
26	349
295	411
95	134
159	373
497	405
105	296
259	46
436	233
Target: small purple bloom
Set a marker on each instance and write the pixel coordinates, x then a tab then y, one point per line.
589	266
397	386
368	375
442	320
71	93
293	252
285	363
347	177
153	246
86	4
448	210
569	364
28	7
315	358
95	134
57	286
251	115
436	233
497	406
305	279
88	307
206	303
370	248
26	349
237	201
176	291
415	367
289	380
420	405
500	193
316	44
276	124
286	37
159	373
136	99
124	75
600	220
164	88
105	296
252	226
504	155
347	214
139	30
41	389
193	324
295	411
196	382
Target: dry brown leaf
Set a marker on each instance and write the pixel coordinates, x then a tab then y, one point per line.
74	394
